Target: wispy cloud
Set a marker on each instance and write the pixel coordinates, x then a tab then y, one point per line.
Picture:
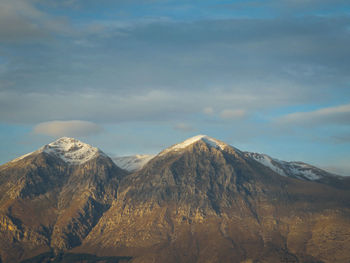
67	128
341	138
158	70
291	7
232	114
325	116
21	21
185	127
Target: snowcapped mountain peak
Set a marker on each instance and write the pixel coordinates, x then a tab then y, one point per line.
208	140
65	141
71	150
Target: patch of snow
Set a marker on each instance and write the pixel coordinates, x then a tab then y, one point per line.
268	161
132	163
291	169
304	170
71	151
208	140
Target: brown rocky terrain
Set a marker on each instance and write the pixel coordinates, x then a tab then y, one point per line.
207	204
47	203
199	201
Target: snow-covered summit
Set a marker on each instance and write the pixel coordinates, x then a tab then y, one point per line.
71	150
208	140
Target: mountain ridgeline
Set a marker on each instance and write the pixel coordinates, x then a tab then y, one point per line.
197	201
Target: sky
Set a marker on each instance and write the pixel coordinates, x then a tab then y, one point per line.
136	76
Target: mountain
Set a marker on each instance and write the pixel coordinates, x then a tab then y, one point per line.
52	198
297	170
132	163
201	200
205	201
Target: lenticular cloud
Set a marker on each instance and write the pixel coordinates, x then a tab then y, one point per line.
67	128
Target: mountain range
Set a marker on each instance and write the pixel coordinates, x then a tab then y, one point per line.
201	200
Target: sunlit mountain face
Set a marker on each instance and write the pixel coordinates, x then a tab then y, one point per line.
198	200
100	106
136	76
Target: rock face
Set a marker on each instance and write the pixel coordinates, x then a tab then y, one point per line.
52	198
204	201
198	201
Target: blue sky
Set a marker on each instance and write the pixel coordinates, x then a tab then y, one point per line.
137	76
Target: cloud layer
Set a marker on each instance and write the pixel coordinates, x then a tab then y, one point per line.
230	114
153	69
229	70
74	128
325	116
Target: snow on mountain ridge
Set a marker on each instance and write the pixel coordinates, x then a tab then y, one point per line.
267	161
71	150
132	163
298	170
208	140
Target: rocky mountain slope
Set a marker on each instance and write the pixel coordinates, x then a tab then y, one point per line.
293	169
52	198
205	201
197	201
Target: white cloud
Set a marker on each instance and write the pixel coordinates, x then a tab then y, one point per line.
67	128
330	115
231	114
